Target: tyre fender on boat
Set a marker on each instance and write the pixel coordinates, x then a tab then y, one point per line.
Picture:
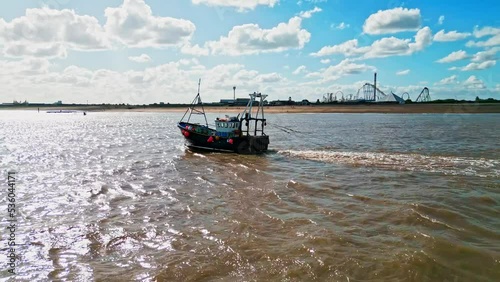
243	147
258	144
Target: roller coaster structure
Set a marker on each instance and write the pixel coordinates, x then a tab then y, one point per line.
366	93
424	96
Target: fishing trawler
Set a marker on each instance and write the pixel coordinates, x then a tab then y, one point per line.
242	134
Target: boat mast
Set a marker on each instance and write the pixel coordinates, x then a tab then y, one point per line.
192	108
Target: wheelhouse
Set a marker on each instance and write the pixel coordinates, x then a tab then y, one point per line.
227	127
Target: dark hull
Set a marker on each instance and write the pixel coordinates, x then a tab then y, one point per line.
198	138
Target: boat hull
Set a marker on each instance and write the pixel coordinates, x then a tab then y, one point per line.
204	138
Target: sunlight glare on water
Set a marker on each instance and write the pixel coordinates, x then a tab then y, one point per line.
339	197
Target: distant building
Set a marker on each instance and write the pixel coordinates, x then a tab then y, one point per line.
58	102
241	101
227	101
277	103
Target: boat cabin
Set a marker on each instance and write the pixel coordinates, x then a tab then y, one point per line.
227	127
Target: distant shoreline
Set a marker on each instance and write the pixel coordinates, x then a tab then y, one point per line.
469	108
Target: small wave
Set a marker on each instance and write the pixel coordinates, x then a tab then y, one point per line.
408	162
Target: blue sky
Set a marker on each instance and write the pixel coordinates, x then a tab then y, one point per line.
135	51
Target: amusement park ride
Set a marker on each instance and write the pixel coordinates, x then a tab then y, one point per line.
370	93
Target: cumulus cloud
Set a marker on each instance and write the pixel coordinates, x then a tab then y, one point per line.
488	55
345	67
392	46
44	32
17	49
178	79
325	61
453	56
423	38
392	21
487	31
348	48
24	67
238	4
195	50
308	14
442	36
474	83
134	25
251	39
448	80
384	47
143	58
403	72
388	46
479	66
300	69
269	78
50	33
493	41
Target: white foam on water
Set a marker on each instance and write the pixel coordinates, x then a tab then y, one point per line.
406	162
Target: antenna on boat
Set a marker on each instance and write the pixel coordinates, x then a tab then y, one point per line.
199	82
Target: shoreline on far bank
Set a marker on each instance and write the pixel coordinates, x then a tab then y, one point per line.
467	108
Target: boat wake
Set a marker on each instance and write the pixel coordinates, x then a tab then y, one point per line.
405	162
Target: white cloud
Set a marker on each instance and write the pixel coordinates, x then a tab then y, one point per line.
441	20
325	61
308	14
55	50
11	70
403	72
194	50
448	80
340	26
392	46
479	66
239	4
494	40
348	49
44	32
474	83
483	56
389	46
485	31
251	39
134	25
300	69
143	58
423	38
392	21
442	36
311	1
345	67
178	79
385	47
453	56
270	77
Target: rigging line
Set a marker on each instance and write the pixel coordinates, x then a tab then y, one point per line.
284	128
